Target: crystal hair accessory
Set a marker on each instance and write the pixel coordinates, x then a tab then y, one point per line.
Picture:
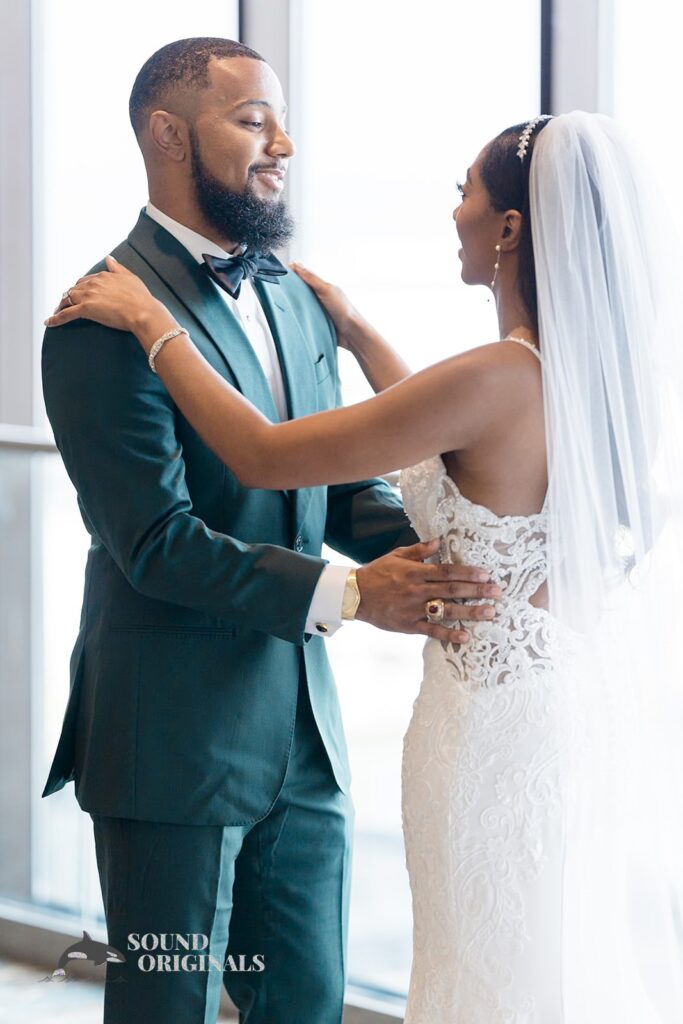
528	132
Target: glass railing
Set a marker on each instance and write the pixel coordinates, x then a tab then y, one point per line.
378	676
46	847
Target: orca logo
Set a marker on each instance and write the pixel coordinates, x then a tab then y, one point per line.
87	949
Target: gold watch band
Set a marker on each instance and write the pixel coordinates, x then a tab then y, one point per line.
351	599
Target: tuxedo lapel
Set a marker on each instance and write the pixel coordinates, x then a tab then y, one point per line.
297	362
193	288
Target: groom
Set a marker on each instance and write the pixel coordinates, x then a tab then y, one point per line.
202	728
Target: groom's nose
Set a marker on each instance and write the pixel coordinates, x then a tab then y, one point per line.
282	145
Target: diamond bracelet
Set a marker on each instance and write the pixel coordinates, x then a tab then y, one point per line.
159	344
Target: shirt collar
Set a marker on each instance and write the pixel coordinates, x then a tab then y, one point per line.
195	243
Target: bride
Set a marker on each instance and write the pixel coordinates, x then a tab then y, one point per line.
541	795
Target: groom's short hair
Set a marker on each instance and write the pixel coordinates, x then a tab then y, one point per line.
180	65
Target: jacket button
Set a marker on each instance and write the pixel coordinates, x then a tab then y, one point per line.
298	544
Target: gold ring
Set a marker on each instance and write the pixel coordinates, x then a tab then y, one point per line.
435	610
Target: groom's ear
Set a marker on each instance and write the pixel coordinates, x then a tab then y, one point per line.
169	134
512	230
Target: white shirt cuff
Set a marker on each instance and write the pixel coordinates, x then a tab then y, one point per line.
326	605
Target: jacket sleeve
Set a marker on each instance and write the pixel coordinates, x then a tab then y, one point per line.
366	520
114	425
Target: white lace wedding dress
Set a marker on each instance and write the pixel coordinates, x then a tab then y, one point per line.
483	781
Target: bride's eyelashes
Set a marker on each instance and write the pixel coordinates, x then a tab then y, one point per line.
461	189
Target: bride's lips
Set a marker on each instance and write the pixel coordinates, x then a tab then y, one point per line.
272	177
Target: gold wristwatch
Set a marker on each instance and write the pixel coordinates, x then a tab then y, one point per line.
351	599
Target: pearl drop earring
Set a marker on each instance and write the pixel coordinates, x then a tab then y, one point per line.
496	266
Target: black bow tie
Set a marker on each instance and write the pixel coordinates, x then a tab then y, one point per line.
230	273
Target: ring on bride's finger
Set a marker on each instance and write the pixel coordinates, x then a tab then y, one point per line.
67	295
435	610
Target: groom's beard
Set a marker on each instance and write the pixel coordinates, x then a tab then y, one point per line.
240	216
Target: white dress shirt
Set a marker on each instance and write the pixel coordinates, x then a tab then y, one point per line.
326	604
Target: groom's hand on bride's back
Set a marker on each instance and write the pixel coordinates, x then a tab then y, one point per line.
395	590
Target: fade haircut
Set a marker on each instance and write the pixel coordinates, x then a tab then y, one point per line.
183	64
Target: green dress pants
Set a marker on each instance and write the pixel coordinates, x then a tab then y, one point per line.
261	909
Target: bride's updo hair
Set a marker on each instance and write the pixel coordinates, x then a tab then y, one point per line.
506	179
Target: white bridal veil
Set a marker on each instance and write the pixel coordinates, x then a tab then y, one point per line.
611	335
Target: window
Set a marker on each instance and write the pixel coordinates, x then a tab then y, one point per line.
89	180
646	85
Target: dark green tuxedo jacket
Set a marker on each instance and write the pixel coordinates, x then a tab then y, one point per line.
185	671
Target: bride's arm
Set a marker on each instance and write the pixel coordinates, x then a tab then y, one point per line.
381	364
436	410
439	409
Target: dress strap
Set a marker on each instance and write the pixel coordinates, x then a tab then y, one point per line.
528	344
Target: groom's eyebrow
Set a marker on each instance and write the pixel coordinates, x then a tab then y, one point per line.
258	103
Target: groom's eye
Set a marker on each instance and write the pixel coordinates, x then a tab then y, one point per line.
254	124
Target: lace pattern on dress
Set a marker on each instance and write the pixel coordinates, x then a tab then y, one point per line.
514	551
483	772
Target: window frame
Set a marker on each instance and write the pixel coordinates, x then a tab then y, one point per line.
17	338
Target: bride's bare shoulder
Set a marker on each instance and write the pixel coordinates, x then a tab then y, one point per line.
499	362
491	383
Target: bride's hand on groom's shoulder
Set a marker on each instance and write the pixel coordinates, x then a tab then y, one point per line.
344	315
115	298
